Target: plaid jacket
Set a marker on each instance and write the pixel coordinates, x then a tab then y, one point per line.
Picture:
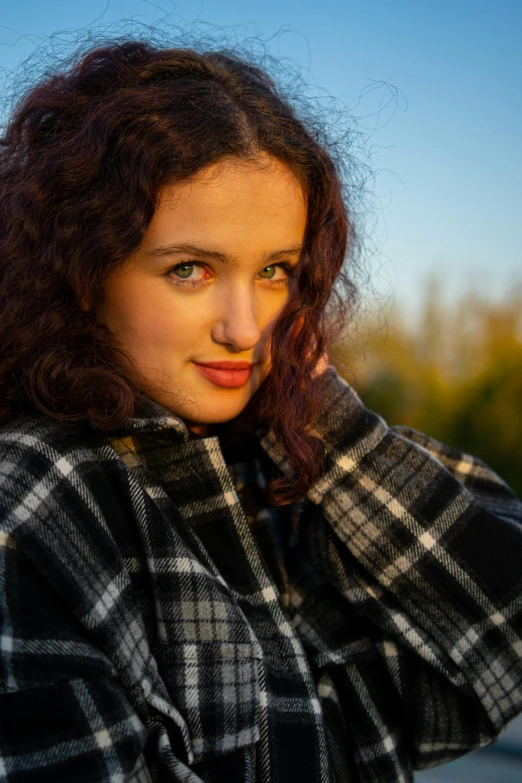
160	623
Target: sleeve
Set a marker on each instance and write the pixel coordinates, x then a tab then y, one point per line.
426	542
64	713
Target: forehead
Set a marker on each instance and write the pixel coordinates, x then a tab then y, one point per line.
232	197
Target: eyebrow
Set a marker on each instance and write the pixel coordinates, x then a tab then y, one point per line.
224	258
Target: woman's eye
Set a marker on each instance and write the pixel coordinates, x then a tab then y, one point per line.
182	274
272	271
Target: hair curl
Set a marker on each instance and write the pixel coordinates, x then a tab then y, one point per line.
82	160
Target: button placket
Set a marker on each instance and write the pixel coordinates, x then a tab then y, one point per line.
290	646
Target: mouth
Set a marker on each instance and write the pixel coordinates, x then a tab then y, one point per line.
226	374
226	365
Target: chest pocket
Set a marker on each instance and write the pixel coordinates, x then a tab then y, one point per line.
215	687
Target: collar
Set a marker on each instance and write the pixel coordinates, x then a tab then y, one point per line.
152	417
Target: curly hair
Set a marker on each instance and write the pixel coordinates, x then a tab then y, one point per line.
82	160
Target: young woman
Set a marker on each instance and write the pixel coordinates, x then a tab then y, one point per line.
216	563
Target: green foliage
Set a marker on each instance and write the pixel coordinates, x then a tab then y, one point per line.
456	375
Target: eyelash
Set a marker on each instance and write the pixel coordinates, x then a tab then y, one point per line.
289	269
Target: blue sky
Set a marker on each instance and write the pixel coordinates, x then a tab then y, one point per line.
446	150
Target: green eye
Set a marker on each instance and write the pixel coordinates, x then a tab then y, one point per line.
269	267
179	270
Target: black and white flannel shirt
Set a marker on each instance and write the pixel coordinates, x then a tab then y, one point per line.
160	622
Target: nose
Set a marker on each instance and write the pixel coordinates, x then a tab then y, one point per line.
237	323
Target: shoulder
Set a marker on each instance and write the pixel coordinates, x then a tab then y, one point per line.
48	468
36	435
63	503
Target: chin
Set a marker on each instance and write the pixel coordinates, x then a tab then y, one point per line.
221	418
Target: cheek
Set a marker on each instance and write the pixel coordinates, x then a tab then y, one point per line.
159	330
146	313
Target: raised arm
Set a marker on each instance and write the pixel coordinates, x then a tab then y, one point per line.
427	543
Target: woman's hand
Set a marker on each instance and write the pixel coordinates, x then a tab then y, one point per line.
321	366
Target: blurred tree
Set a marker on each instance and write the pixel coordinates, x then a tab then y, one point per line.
456	375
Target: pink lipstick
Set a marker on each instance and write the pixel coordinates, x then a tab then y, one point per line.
226	373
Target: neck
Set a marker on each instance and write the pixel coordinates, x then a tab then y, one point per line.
199	429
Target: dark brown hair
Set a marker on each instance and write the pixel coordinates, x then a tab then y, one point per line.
82	161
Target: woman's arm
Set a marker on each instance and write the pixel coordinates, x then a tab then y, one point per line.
427	543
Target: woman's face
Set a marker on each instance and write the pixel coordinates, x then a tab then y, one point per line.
205	285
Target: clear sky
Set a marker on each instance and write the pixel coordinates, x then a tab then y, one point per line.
435	84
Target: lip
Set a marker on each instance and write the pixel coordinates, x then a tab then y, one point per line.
228	378
226	365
